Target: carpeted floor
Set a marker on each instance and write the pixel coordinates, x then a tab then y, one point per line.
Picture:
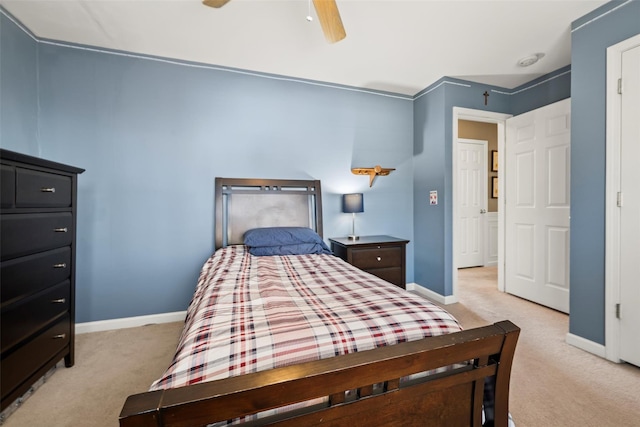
553	384
109	366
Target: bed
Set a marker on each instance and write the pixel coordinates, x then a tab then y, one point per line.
295	337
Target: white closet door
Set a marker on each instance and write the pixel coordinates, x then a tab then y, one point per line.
537	178
630	209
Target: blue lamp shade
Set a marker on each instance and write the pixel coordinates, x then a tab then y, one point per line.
352	203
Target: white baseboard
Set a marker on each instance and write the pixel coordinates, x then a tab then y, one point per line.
433	296
129	322
586	345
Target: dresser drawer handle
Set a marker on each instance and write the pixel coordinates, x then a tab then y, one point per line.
379	258
59	336
48	189
61	230
58	301
61	265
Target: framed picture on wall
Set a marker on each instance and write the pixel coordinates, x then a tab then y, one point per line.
494	161
494	187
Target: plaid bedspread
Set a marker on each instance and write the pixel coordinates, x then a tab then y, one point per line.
250	314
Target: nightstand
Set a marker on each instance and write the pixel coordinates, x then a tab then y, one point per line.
382	256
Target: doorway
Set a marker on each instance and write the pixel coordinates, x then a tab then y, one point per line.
472	199
466	116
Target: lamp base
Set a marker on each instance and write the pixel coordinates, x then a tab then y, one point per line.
353	237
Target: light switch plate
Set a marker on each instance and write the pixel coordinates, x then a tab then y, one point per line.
433	197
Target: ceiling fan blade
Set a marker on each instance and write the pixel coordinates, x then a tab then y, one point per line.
215	3
330	20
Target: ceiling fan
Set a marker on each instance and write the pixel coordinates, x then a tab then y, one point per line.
328	15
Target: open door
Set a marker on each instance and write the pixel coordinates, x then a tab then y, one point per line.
537	205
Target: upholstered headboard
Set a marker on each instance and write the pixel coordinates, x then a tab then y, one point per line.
242	204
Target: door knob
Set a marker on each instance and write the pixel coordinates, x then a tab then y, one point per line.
482	211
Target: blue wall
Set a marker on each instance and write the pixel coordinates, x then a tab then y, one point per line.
19	88
153	135
589	41
433	135
542	91
429	174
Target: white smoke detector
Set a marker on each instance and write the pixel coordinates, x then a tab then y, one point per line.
530	60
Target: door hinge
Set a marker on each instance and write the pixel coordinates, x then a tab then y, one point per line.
619	199
617	311
620	86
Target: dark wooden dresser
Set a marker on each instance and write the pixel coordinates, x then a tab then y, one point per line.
382	256
37	279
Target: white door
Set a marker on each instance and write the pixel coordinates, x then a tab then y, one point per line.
630	207
536	178
472	201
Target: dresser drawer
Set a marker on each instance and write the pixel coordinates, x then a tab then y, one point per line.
7	186
28	275
376	257
26	317
42	189
25	234
19	365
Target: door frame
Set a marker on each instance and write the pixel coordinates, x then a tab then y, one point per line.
500	119
612	213
485	187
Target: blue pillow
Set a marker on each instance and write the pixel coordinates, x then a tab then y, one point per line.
284	241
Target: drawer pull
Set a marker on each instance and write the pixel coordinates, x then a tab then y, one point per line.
58	301
48	189
379	258
59	336
61	265
61	230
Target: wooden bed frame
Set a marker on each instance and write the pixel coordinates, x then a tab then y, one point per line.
363	388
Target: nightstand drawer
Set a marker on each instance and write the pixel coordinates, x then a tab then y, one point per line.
392	274
377	257
382	256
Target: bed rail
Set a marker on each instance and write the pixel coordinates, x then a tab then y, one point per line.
450	398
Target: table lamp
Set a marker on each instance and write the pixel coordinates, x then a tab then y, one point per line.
353	203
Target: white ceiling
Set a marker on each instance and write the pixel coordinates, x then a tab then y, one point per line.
391	45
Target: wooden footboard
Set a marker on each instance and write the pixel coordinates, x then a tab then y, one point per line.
453	397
